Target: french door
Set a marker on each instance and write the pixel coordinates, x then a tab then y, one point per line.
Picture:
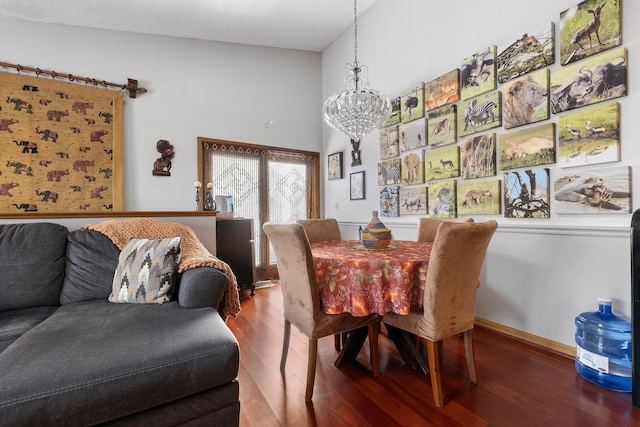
267	184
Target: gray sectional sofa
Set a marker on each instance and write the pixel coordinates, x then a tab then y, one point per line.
70	357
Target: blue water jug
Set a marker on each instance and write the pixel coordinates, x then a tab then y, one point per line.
603	353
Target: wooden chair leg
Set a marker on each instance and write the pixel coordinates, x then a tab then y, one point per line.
285	345
468	351
311	368
374	354
434	371
441	348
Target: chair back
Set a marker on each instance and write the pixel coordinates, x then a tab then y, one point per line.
456	258
320	230
301	300
427	227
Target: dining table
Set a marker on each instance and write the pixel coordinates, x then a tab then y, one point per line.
361	281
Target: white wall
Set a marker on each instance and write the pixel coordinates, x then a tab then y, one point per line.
539	274
196	88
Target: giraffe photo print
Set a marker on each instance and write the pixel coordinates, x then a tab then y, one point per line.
530	52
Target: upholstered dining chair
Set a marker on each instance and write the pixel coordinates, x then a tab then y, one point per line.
301	300
456	258
427	227
320	230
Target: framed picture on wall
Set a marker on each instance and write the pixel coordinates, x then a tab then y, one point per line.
335	166
356	186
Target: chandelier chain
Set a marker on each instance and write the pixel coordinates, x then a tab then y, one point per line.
355	33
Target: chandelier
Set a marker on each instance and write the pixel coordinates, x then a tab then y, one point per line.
357	110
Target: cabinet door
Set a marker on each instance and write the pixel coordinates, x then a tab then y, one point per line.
234	245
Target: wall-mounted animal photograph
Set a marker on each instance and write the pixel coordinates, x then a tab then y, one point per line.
390	201
442	126
596	79
442	91
526	100
389	142
413	201
478	73
442	163
442	199
594	191
589	136
389	172
528	147
479	114
479	197
412	135
589	27
526	193
529	52
412	169
478	156
412	104
394	117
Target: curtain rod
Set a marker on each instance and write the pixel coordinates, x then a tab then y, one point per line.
131	86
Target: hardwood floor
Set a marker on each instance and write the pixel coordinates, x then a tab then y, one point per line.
518	384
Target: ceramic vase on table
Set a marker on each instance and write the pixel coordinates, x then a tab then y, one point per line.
375	235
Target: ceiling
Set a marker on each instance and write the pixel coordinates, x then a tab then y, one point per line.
295	24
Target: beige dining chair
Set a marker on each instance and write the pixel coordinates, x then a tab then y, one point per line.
427	227
456	258
320	230
301	300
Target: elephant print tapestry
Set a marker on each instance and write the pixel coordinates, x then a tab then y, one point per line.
61	146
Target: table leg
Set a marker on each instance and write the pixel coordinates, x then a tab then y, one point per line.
351	347
407	349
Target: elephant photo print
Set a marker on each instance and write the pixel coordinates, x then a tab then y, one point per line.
413	167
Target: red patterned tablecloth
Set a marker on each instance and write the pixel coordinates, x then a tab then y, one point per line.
359	281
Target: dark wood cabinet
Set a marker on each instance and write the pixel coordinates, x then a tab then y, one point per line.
235	246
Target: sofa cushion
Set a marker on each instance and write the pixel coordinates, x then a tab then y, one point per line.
91	261
32	263
48	375
146	271
15	323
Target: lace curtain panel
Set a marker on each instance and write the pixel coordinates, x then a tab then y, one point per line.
266	184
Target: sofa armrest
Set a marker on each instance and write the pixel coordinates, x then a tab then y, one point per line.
201	287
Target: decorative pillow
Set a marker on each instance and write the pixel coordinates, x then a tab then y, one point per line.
146	271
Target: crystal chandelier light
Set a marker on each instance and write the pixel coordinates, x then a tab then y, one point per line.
359	109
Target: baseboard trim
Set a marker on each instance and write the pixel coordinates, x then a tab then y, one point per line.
554	347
